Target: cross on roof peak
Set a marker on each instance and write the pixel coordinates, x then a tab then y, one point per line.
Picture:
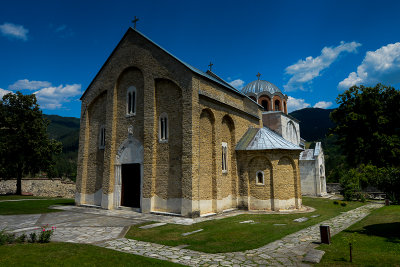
258	75
210	65
134	22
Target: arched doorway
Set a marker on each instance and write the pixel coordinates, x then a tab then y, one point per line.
129	174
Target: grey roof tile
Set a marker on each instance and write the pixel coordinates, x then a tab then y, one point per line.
264	139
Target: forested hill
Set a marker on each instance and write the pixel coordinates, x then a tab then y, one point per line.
64	129
314	122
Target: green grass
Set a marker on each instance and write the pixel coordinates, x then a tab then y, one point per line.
376	241
31	206
14	197
66	254
227	235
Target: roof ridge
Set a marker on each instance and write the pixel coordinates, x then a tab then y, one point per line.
194	69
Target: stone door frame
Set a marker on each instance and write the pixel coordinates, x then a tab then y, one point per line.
129	152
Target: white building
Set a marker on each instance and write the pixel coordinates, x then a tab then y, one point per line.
312	171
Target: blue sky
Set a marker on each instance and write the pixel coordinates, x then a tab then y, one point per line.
312	50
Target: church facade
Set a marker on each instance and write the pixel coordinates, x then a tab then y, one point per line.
159	135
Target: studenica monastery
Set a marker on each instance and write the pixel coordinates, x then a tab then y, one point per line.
159	135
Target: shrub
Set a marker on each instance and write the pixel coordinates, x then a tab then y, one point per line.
3	237
45	235
336	202
10	237
21	238
343	204
32	237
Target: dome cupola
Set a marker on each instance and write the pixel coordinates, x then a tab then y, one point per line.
266	94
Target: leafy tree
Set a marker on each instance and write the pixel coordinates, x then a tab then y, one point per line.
24	143
368	125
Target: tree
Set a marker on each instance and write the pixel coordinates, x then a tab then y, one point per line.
368	125
24	144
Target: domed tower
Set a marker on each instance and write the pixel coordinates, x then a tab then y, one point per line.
267	95
275	115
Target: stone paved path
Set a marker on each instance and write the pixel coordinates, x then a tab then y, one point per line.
288	251
71	226
106	228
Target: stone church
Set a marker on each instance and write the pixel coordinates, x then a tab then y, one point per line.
158	135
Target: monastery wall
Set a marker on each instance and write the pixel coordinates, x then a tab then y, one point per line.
41	187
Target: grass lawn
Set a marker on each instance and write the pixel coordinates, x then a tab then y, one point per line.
66	254
376	241
30	206
227	235
13	197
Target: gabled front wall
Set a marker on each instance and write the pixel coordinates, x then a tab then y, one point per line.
137	62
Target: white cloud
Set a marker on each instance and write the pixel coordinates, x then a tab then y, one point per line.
296	103
60	28
3	92
54	97
30	85
14	31
322	104
304	71
238	83
379	66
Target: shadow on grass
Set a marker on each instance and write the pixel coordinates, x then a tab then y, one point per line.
390	231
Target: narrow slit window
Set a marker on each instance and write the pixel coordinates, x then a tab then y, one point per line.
224	156
131	101
102	137
163	128
260	178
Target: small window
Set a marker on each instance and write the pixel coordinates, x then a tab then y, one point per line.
260	178
264	103
224	157
131	101
102	137
163	128
277	105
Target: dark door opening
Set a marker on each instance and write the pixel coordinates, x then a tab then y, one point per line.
130	191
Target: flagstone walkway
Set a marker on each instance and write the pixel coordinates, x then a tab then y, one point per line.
107	228
288	251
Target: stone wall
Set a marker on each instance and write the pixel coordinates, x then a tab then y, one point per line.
42	187
333	187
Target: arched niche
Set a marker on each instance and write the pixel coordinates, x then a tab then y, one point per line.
207	186
291	133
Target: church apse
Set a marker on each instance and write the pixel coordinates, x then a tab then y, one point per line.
260	184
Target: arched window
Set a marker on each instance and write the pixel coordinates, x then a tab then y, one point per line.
260	178
131	101
277	105
291	133
163	128
224	157
264	103
102	137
